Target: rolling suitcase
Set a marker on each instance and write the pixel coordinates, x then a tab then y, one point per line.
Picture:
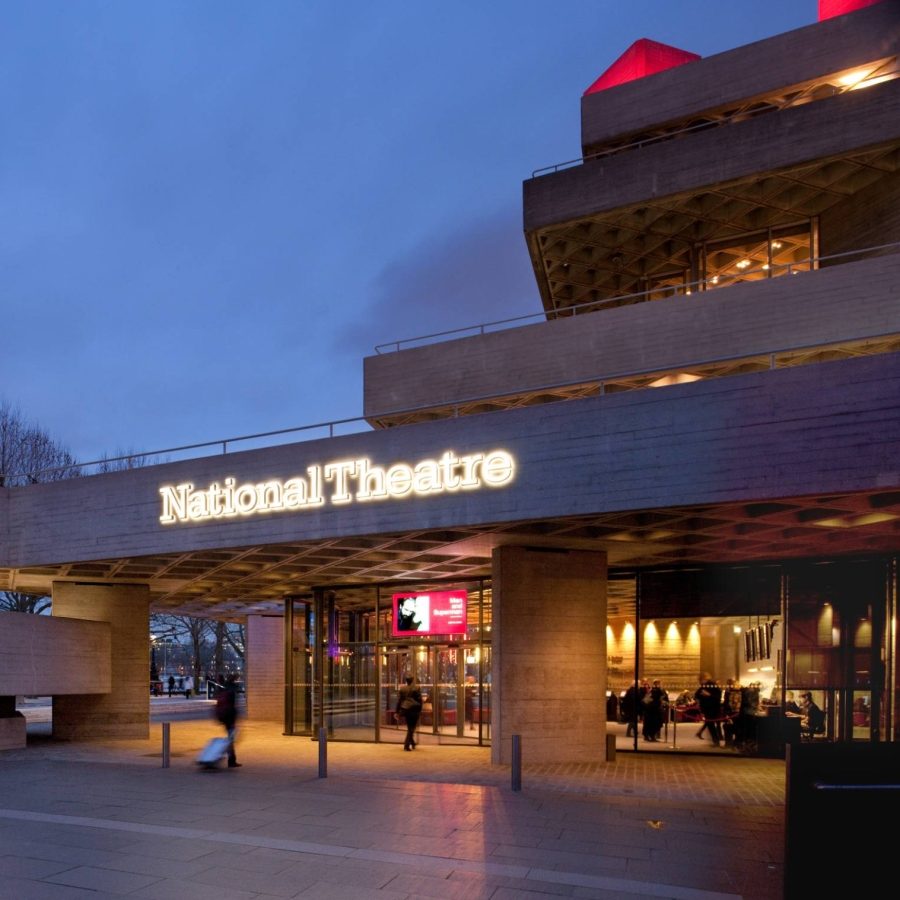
213	753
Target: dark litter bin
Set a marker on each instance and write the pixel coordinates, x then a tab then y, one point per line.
840	802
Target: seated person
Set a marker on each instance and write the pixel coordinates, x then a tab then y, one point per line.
791	708
813	717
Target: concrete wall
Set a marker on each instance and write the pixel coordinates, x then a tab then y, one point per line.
13	735
831	427
742	320
870	218
739	151
755	70
264	668
125	711
44	655
548	662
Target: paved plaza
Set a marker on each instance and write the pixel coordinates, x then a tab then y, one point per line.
108	820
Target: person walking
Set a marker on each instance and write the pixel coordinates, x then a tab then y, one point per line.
629	709
226	713
709	699
188	686
171	684
409	707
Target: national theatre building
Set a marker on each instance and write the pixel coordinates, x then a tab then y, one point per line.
686	470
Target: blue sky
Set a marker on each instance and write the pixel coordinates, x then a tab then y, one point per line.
213	210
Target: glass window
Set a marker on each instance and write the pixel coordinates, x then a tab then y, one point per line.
754	257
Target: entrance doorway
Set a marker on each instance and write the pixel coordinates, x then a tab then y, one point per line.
350	650
456	691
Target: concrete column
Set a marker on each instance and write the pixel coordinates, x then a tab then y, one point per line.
548	664
264	668
125	711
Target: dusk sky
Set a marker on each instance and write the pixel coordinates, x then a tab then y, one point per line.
212	210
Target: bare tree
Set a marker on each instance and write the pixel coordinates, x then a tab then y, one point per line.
228	635
188	634
14	601
124	460
28	455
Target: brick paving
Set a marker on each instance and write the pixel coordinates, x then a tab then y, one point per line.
106	820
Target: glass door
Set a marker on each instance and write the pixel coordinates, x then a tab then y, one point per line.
455	685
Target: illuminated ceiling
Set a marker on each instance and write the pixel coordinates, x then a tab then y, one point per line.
629	250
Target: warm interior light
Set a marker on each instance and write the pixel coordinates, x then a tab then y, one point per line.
736	629
878	79
855	521
777	245
714	279
743	263
677	378
853	78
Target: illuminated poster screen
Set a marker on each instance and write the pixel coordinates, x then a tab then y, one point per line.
435	612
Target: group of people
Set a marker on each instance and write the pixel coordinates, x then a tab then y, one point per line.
727	716
182	685
648	704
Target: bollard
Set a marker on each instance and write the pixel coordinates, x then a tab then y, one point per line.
517	762
323	753
610	748
165	744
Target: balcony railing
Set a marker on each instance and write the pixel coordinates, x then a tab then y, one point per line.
360	424
711	284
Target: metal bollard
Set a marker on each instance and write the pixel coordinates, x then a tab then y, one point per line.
323	753
517	762
610	748
165	744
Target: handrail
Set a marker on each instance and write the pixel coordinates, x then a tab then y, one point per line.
739	115
481	329
643	142
456	405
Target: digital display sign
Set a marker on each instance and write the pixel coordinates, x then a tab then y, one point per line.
434	612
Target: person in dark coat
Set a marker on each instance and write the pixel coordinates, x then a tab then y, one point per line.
814	719
409	707
171	684
653	703
629	709
709	699
226	713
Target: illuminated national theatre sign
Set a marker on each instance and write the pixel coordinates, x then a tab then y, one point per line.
338	483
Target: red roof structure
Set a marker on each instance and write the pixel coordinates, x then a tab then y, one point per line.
828	9
643	57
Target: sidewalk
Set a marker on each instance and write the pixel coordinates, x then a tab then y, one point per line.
106	820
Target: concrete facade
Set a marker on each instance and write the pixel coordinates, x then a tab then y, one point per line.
45	655
125	710
795	439
549	654
761	69
790	139
744	321
264	668
732	439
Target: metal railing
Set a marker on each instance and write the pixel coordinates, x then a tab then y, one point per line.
741	114
638	144
360	424
687	288
454	409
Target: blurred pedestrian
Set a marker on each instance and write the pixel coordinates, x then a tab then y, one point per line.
226	713
409	707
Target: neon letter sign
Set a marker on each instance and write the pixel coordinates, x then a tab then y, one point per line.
338	483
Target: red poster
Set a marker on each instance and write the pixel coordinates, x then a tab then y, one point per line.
435	612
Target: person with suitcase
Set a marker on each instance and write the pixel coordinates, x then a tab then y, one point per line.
226	713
